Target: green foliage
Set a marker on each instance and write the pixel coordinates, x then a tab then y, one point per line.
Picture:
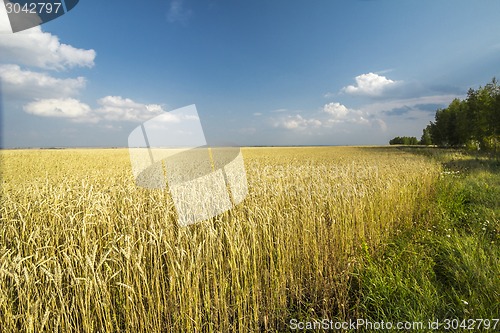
426	138
393	286
404	140
471	123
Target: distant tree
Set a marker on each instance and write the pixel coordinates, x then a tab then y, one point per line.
411	141
426	138
473	122
440	127
491	114
404	140
396	141
457	127
495	116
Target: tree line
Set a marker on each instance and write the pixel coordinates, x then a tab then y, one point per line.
472	123
404	140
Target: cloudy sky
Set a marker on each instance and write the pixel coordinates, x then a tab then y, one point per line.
260	72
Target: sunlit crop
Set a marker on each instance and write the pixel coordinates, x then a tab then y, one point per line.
83	249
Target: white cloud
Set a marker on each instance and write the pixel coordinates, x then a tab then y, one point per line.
370	84
47	95
112	108
374	117
27	84
60	108
337	116
339	113
154	108
332	114
257	114
36	48
297	122
117	108
336	109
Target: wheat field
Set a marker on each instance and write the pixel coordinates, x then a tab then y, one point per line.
82	249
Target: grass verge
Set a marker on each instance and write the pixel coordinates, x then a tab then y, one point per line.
446	266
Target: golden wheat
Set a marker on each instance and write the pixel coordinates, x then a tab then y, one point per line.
83	249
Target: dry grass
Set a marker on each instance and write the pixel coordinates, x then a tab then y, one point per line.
83	249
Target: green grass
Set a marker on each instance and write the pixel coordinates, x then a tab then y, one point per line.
447	265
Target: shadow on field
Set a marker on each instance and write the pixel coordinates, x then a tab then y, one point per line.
459	160
492	166
452	159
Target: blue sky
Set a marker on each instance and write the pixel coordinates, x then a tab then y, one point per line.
260	72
